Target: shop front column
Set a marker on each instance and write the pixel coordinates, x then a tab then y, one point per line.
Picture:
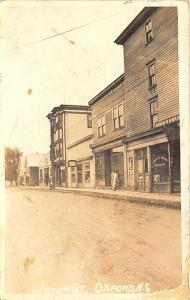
125	167
92	172
149	168
169	168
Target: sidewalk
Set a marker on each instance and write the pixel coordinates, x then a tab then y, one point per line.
165	200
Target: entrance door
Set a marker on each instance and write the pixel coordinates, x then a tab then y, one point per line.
117	164
141	162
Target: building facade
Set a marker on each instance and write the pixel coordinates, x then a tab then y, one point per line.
109	129
150	46
71	134
140	138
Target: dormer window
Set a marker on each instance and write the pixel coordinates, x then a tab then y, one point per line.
148	32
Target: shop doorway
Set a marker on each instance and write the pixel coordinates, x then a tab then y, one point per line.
117	164
141	166
175	166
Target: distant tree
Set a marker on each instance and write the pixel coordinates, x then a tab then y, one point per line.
12	158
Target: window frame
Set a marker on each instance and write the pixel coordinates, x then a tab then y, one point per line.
60	150
118	117
101	126
60	121
79	170
153	111
86	168
151	67
148	33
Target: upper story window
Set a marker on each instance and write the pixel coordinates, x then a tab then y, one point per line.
52	126
56	151
89	121
61	149
101	126
118	121
58	121
56	135
60	133
148	32
154	112
152	75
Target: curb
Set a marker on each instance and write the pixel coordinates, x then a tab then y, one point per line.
132	199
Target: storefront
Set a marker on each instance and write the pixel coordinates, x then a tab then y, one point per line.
153	164
80	173
107	161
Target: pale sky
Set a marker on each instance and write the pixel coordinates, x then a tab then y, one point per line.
70	68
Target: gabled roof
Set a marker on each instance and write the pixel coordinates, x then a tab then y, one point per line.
132	27
105	91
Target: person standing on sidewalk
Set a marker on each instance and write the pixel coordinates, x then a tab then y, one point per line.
115	180
112	177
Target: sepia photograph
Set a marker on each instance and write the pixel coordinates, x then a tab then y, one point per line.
95	134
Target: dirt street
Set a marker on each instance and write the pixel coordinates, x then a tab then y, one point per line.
56	239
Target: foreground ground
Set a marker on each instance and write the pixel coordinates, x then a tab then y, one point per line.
56	239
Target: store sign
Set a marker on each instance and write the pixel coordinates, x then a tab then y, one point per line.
160	161
72	163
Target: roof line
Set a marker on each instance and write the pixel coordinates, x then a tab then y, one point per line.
63	107
132	27
86	138
105	91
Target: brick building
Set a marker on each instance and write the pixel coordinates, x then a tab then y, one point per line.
71	134
148	133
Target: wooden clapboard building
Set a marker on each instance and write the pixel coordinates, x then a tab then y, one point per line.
109	129
150	44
